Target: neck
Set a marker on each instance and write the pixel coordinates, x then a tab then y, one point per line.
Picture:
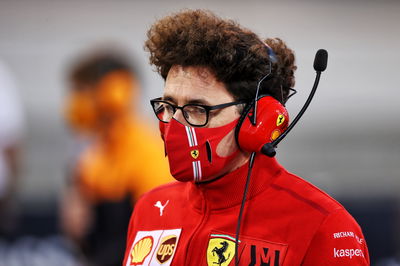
240	160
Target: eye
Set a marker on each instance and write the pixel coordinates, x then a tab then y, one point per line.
168	107
195	110
195	114
159	108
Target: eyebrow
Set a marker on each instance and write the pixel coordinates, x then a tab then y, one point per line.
190	101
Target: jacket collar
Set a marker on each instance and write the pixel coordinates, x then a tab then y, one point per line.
227	191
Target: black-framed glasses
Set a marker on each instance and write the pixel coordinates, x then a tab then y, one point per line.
196	115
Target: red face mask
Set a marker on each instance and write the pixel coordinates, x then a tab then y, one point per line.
192	151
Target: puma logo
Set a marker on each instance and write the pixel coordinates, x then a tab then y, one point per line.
159	205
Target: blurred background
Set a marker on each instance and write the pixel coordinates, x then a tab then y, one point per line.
348	143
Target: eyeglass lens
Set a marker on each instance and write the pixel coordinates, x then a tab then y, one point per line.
193	114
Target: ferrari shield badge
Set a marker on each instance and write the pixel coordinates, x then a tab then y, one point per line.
194	153
220	250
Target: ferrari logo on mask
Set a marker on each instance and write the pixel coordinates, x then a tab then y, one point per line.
280	120
221	250
194	153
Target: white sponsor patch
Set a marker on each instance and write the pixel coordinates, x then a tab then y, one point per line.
348	234
153	247
348	252
343	234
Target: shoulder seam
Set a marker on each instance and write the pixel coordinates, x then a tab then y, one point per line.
164	186
312	186
161	187
301	198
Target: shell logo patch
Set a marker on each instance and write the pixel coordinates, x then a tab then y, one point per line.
280	120
220	250
166	249
194	153
275	134
141	250
156	247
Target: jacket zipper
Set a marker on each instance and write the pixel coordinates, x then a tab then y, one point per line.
197	230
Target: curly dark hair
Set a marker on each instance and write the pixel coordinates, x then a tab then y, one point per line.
237	56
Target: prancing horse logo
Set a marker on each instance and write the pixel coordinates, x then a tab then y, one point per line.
194	153
220	253
280	120
220	250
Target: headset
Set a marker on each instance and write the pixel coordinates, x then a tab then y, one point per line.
272	120
265	122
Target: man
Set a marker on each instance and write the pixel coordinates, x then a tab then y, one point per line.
211	68
117	166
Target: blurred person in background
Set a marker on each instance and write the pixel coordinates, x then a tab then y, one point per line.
18	248
123	159
18	245
11	132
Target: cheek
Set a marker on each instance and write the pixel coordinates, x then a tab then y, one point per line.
227	146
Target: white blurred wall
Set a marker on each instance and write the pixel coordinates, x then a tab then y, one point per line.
348	142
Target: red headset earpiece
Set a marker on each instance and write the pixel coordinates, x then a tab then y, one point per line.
272	120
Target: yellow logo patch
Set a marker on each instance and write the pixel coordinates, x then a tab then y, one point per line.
275	134
194	153
141	250
280	120
220	250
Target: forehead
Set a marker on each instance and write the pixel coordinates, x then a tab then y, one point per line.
202	75
186	84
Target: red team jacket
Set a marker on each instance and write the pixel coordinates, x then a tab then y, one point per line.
286	221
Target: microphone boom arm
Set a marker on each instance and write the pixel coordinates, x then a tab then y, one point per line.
302	111
269	148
